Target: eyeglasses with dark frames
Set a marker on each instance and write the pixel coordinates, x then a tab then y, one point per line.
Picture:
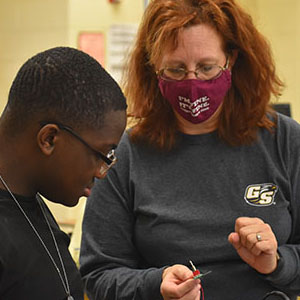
109	160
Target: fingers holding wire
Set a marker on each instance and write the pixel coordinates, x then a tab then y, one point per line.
178	284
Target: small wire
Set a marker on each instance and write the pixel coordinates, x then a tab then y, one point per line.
198	275
278	293
193	267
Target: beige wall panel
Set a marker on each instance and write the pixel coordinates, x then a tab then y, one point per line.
27	27
279	21
98	16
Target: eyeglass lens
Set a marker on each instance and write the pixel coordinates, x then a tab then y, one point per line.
206	72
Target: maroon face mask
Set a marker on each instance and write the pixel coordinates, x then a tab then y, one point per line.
196	100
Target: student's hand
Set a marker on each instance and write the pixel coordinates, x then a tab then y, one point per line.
178	284
255	243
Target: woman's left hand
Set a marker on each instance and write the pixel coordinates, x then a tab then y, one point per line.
255	243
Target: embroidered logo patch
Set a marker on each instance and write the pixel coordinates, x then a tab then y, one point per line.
260	194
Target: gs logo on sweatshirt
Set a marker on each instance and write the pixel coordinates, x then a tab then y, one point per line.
260	194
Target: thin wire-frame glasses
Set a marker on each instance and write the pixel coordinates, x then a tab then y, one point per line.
109	160
203	72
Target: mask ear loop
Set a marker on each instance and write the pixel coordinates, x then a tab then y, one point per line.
227	63
277	293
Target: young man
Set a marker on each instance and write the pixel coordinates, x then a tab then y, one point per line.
64	117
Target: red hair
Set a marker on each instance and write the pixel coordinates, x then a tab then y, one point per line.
254	79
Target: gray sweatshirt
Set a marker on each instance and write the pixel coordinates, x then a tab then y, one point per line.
155	209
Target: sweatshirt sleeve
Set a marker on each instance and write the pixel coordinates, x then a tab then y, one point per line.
110	262
287	275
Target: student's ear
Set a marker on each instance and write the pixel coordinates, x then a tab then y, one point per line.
47	138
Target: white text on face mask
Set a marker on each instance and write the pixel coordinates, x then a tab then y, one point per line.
194	108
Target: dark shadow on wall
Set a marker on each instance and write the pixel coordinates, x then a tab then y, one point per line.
284	108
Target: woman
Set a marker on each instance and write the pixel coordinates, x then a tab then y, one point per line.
209	173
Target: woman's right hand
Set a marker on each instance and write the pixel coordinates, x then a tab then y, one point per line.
178	284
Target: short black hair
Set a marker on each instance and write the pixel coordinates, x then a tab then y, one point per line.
66	85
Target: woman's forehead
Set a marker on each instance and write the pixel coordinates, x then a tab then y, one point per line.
197	42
